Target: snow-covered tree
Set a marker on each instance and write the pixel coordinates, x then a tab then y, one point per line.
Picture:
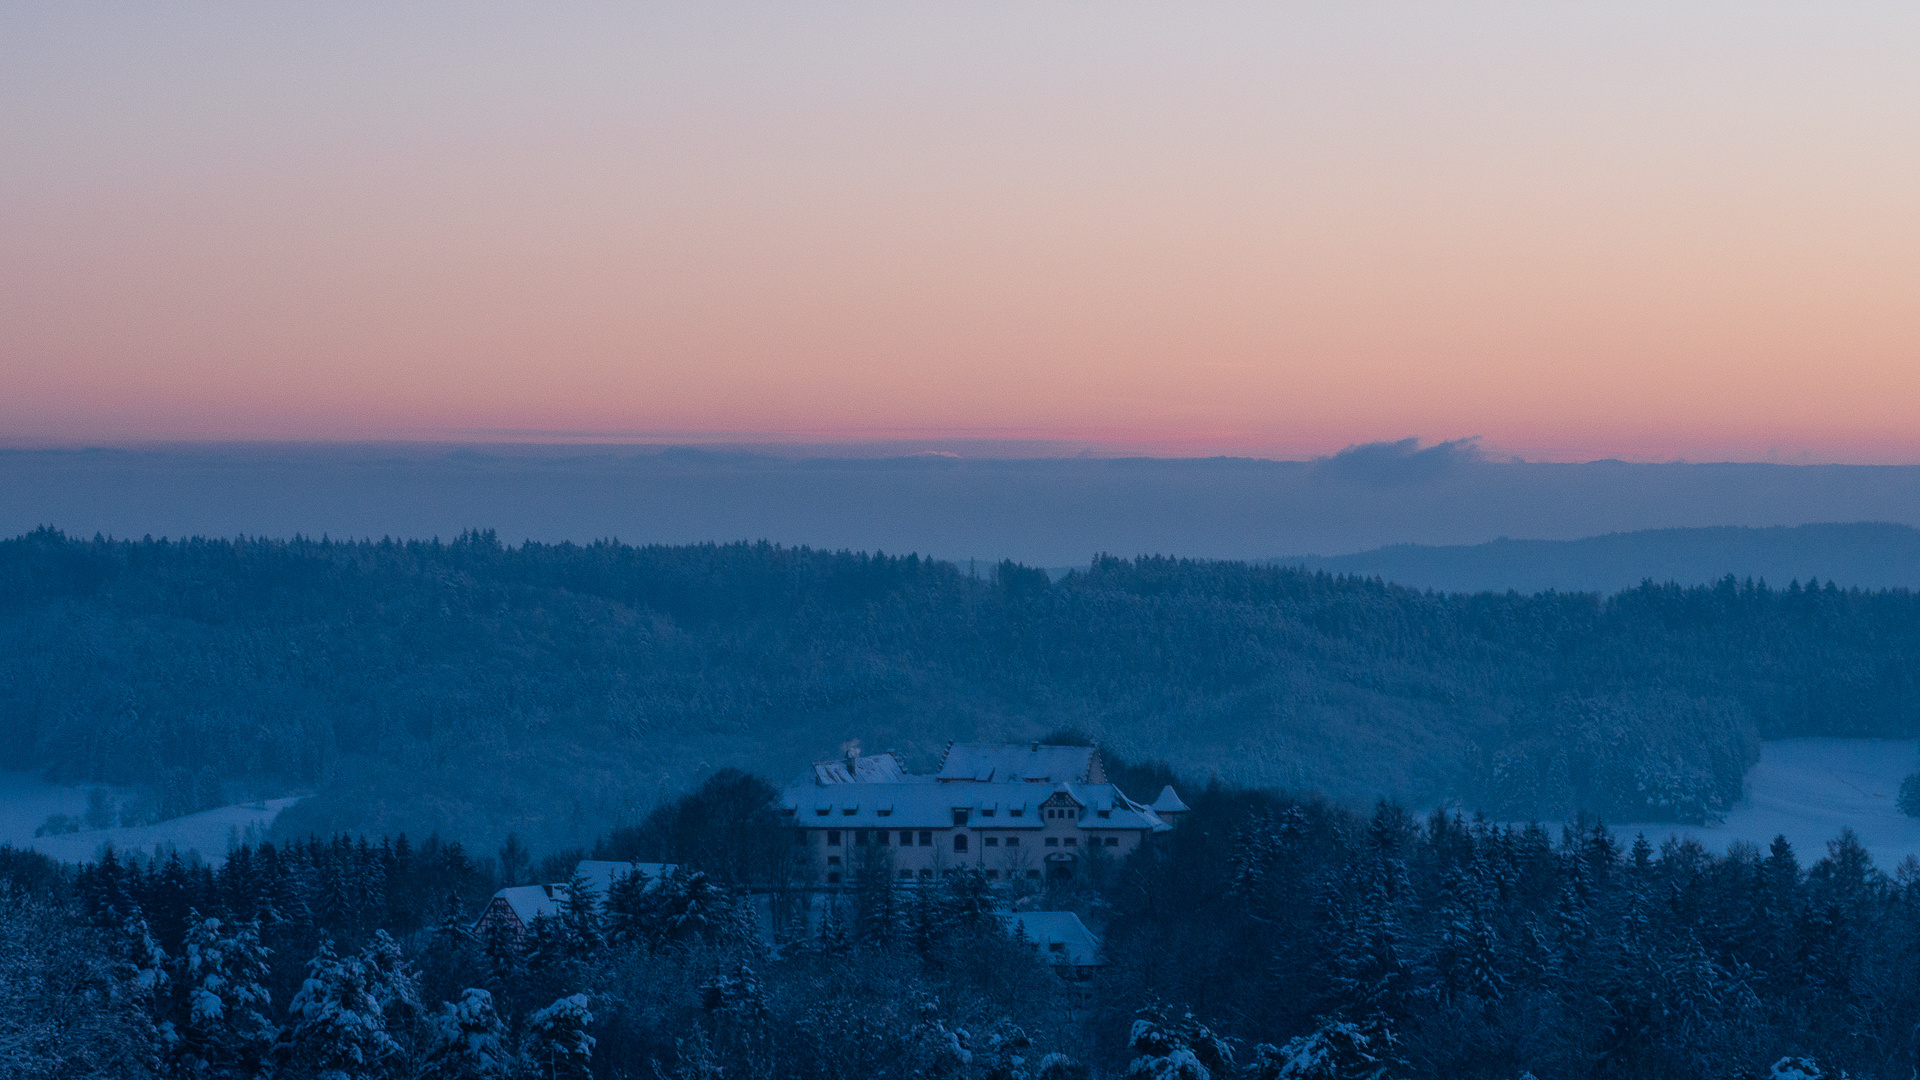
1182	1049
339	1018
221	1029
1336	1050
556	1045
468	1041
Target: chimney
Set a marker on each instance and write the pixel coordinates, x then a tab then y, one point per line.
851	748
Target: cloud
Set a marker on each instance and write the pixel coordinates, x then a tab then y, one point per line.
1401	461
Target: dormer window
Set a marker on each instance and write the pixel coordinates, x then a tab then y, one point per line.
1104	813
849	811
1018	811
959	816
986	811
823	811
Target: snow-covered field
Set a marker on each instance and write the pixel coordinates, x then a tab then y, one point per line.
1810	789
26	801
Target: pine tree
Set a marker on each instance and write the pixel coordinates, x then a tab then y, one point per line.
1183	1049
556	1045
222	1029
339	1026
469	1041
626	908
581	916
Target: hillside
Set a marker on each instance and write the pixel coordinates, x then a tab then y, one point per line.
1869	555
473	688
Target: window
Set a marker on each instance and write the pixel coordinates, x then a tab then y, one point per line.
823	811
833	837
1105	813
926	873
959	816
833	878
860	836
1113	841
1018	811
1070	841
960	841
885	811
1057	946
880	837
1013	841
991	841
849	811
986	811
926	837
1052	841
906	875
833	860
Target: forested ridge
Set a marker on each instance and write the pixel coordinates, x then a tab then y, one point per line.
472	688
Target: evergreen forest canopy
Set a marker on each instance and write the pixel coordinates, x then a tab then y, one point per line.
472	689
1263	938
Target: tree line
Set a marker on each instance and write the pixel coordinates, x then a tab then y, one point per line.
473	689
1266	937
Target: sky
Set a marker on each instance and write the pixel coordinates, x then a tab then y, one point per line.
1649	231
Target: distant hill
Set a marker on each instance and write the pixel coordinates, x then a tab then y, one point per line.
1870	555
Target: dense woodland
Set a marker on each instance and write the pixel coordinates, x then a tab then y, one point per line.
473	689
1264	938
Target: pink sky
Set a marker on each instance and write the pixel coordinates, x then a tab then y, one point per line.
1632	230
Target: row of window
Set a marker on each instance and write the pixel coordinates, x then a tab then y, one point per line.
833	876
960	841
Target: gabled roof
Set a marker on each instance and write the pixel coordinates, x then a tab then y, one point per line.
1015	763
1168	802
529	902
602	874
870	769
1046	929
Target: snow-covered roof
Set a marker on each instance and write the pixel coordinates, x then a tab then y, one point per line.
1168	802
529	902
1059	936
932	806
871	769
601	874
1021	762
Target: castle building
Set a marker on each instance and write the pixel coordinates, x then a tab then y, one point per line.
1016	812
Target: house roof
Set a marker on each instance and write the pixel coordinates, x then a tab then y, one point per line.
1059	936
870	769
601	874
529	902
1168	802
1021	762
932	806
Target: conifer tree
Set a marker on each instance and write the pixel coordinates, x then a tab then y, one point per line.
468	1042
339	1024
556	1045
221	1028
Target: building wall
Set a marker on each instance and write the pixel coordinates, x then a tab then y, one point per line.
1006	854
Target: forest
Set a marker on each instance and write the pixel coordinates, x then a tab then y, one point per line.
472	689
1264	938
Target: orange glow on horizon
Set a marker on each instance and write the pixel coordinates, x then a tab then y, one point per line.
1629	233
